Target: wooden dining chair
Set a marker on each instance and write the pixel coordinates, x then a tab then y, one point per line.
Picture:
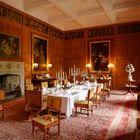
28	84
34	102
84	104
44	84
2	101
56	82
96	99
52	118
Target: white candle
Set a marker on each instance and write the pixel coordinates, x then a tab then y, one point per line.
61	73
71	71
56	75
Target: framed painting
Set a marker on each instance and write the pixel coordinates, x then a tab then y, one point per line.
99	55
39	54
9	46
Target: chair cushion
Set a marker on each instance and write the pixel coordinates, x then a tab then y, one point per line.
46	120
97	97
83	103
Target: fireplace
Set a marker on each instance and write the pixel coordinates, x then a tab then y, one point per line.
12	78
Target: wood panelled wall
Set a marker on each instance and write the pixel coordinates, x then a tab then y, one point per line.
55	46
72	47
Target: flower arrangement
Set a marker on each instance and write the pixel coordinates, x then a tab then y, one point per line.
130	68
104	77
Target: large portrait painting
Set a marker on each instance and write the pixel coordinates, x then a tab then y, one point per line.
99	55
9	46
39	54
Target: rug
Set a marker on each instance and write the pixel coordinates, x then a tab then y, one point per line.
113	119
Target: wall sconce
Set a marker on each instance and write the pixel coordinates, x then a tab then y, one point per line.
88	65
110	65
49	66
35	65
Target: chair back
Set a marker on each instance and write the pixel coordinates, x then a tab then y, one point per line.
28	81
33	98
56	82
54	103
66	81
28	84
2	95
29	87
98	89
44	84
90	93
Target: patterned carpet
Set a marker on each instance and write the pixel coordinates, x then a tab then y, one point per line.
113	119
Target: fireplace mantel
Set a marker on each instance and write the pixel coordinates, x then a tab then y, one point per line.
8	67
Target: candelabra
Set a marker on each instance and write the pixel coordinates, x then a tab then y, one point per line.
74	72
61	75
84	74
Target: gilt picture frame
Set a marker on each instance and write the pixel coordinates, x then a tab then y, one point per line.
9	46
39	54
99	56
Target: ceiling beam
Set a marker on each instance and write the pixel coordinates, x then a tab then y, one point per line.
126	6
64	8
30	5
90	12
108	6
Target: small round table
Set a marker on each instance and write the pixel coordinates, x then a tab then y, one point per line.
130	86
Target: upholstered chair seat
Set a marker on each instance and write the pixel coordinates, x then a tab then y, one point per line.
84	104
49	120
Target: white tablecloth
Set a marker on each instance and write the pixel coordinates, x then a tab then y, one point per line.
69	96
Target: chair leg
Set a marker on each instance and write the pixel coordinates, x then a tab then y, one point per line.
33	128
87	111
44	134
75	111
91	110
3	111
58	128
2	114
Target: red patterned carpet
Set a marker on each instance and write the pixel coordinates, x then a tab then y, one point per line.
114	119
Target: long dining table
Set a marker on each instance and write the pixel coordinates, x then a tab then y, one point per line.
69	96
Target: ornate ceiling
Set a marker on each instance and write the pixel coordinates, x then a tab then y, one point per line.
76	14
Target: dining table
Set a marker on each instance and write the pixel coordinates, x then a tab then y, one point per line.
70	95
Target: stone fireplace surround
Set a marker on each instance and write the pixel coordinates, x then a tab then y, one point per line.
13	68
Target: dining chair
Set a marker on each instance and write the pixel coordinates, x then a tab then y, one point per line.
56	82
34	101
106	89
2	101
66	81
96	99
44	85
52	118
84	104
29	84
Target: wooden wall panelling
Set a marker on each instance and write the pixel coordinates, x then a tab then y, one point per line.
121	74
75	53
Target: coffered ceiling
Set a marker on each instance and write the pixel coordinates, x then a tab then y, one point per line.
77	14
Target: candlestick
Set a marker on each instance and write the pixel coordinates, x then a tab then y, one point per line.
74	72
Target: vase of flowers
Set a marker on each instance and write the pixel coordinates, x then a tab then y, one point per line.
130	69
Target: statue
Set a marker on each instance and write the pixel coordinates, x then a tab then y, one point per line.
130	69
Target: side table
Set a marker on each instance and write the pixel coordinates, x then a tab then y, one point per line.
130	85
